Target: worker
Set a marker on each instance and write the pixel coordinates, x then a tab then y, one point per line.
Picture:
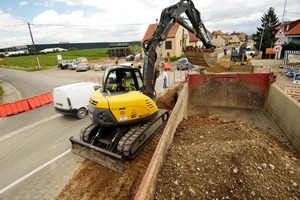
116	60
165	78
124	82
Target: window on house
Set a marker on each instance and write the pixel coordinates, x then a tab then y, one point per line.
168	45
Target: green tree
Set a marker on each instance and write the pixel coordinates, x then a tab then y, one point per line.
265	34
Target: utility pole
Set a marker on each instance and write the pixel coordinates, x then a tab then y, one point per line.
283	12
261	39
34	49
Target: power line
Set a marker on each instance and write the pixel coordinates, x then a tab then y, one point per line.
12	25
86	25
76	25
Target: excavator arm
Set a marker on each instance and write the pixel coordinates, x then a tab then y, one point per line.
169	17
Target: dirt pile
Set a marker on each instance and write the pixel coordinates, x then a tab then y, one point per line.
211	158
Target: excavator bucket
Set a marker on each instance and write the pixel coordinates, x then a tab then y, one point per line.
204	58
101	156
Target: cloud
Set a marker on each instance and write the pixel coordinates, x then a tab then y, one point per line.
23	3
116	20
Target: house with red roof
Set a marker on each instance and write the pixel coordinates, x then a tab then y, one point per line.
219	38
292	31
178	38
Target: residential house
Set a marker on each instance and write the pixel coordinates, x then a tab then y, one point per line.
243	37
178	37
292	31
194	40
234	38
219	38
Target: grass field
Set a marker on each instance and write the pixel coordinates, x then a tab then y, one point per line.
49	60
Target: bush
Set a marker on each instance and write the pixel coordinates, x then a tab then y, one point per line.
1	91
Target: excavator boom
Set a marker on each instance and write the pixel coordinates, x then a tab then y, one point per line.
169	17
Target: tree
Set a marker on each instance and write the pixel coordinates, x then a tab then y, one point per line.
265	34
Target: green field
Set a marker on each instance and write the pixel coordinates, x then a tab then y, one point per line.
49	60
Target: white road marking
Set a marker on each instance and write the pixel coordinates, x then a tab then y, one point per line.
16	132
33	172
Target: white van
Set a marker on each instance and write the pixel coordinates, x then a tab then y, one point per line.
73	99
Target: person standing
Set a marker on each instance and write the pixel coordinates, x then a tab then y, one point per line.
116	60
165	78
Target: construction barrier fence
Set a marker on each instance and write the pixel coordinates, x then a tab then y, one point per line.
19	106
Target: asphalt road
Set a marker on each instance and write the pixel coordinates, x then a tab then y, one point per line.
36	161
33	142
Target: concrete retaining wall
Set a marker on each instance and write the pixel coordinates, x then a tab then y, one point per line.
148	185
285	110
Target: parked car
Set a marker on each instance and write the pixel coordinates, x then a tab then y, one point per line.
73	65
138	56
290	73
183	63
129	58
82	67
97	67
64	64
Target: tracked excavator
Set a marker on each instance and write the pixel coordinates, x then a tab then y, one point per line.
124	115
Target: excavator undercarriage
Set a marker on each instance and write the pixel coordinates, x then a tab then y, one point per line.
110	146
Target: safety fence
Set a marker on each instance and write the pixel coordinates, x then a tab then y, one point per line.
19	106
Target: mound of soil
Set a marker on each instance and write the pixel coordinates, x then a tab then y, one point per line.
211	158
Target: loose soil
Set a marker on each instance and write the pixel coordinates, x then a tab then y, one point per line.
215	158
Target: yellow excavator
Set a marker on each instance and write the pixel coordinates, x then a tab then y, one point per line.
124	115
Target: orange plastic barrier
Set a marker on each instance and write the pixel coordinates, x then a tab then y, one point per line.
36	101
31	103
8	110
22	105
49	95
41	99
14	108
2	111
46	98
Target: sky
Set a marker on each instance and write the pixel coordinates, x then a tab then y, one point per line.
79	21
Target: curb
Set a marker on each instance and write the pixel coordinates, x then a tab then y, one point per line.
14	94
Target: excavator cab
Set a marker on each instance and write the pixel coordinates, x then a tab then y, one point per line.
117	79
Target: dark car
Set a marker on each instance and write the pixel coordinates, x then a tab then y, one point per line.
290	73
